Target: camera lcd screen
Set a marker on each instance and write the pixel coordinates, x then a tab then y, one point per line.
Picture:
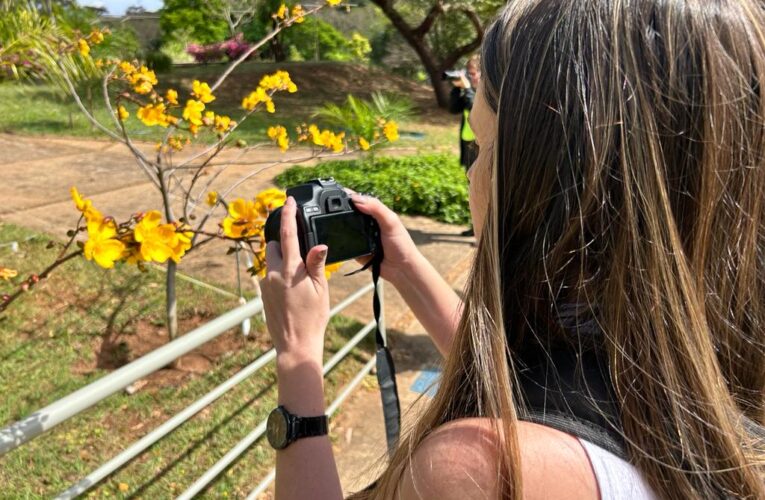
346	235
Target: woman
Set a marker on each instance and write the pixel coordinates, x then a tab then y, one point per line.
619	204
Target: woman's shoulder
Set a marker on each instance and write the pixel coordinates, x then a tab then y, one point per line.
459	460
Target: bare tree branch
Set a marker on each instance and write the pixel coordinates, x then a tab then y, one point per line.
468	48
425	26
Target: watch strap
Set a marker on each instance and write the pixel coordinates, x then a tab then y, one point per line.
310	427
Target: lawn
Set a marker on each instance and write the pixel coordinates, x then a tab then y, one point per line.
83	322
37	109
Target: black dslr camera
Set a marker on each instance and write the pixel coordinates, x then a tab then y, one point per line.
453	74
326	216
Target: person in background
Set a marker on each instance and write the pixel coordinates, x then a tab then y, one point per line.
461	101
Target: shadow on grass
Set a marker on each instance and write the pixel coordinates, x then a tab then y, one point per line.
197	444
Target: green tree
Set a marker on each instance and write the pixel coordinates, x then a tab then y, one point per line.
200	18
317	39
441	32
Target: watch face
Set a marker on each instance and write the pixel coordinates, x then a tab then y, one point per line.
276	429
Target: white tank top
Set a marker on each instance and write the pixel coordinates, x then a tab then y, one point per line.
617	479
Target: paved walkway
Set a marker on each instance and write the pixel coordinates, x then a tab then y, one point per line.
37	172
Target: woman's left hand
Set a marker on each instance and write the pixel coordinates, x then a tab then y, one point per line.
295	294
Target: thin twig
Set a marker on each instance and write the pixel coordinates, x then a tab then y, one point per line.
30	282
279	27
82	107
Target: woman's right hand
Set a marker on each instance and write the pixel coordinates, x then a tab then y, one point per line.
400	251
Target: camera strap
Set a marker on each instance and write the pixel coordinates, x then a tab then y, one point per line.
386	371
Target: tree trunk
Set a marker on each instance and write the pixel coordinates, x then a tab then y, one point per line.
416	37
171	300
441	88
277	48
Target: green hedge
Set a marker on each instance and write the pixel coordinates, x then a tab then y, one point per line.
430	185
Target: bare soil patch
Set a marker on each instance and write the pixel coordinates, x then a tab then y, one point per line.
116	349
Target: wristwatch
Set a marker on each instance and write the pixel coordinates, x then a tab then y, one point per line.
283	428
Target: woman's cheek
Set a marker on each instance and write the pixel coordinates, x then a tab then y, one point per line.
479	190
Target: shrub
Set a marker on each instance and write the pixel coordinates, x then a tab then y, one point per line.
431	185
316	38
232	49
206	53
159	61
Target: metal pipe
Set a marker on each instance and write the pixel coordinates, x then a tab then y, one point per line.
242	446
350	299
158	433
339	355
224	462
266	482
263	486
42	420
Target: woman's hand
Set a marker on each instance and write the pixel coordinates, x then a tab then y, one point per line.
401	253
295	294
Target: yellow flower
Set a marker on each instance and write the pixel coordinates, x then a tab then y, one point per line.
259	95
153	114
280	80
390	131
298	13
122	113
7	273
209	118
279	135
143	80
83	47
172	97
222	123
127	68
96	37
182	242
332	268
243	219
332	3
194	129
99	63
193	112
175	142
123	487
364	144
160	242
327	139
212	198
282	12
102	245
202	91
84	206
79	202
269	200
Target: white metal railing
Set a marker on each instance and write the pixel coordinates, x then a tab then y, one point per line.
17	434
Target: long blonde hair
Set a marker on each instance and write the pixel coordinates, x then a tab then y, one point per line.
639	127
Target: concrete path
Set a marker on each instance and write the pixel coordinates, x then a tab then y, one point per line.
37	172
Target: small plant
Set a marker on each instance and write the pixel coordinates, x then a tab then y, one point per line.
361	117
430	185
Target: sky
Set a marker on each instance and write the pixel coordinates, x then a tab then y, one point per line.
117	7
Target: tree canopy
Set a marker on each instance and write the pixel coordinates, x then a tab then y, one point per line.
441	32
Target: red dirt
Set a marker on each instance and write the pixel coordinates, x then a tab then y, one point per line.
116	350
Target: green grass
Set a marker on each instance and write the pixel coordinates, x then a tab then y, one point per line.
47	341
38	109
